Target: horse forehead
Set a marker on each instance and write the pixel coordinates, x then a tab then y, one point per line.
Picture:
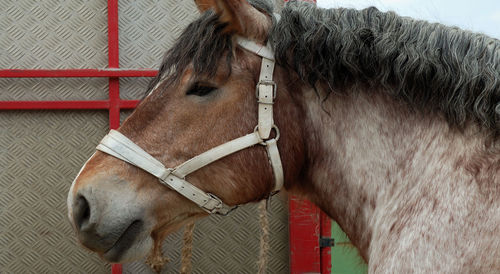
242	62
186	75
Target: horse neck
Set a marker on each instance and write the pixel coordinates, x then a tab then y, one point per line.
366	151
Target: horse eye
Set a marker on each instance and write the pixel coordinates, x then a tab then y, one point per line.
200	90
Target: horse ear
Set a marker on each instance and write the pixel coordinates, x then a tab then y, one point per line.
241	17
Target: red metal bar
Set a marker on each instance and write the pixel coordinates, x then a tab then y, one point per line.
113	62
116	269
95	104
114	103
326	252
304	228
11	105
128	104
113	46
114	83
76	73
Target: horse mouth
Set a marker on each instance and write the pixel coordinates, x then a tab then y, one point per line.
124	242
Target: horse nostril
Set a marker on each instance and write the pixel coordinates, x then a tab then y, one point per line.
81	212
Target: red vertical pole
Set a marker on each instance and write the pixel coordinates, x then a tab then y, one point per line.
114	82
304	227
113	62
116	269
114	103
326	252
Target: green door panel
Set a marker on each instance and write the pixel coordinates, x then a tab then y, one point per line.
345	256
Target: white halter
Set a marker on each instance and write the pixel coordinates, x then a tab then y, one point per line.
119	146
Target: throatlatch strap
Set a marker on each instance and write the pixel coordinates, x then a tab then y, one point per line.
275	160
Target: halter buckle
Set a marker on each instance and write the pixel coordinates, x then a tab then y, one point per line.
266	83
215	205
218	208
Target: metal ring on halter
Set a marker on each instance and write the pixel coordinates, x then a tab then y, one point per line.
277	137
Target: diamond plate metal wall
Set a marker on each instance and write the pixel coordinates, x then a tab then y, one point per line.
46	89
53	34
40	151
147	29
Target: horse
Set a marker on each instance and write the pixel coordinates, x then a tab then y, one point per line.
389	124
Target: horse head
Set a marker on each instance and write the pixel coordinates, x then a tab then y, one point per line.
204	96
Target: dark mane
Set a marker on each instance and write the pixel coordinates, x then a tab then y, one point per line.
202	43
429	66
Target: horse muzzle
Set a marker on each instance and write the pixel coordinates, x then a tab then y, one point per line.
110	223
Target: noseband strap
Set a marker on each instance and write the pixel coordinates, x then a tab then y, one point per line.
119	146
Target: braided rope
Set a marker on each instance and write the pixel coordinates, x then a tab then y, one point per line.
264	237
156	260
187	249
